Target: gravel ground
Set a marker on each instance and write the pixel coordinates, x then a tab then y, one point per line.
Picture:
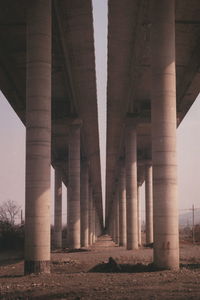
90	275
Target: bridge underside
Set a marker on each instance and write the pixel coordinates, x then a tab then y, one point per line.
153	79
47	73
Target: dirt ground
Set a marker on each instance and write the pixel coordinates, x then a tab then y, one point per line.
88	275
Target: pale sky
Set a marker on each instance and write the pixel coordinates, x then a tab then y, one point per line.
12	133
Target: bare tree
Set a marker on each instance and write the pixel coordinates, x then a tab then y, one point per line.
9	211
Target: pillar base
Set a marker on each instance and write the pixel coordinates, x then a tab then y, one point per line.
36	267
132	248
122	244
158	267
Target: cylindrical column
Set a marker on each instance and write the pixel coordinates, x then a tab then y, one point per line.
122	207
58	209
114	222
117	216
112	227
139	217
90	215
38	137
73	199
97	226
131	185
149	204
84	204
166	242
93	222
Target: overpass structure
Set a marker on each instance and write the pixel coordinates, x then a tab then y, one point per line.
47	73
153	79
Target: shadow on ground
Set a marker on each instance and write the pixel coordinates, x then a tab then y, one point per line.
190	266
67	250
7	262
113	267
28	295
11	276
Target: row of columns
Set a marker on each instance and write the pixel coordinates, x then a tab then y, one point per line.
83	210
164	232
83	221
119	221
38	146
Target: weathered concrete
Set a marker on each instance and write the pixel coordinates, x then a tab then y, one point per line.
113	222
122	206
139	216
131	184
93	222
84	203
97	226
116	204
149	203
166	242
58	209
112	225
73	189
38	138
90	215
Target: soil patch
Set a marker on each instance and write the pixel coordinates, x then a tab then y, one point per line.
104	272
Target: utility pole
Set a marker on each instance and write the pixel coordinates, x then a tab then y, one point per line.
193	226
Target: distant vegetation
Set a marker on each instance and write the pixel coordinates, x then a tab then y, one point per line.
9	210
11	235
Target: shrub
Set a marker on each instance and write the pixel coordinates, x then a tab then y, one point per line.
11	236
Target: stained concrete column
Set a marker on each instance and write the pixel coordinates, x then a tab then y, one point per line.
93	222
95	225
38	137
58	209
90	215
73	197
131	185
84	204
117	217
113	228
139	217
149	204
98	231
122	206
166	241
114	223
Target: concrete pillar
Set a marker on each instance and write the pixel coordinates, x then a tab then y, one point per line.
166	241
38	137
90	215
95	225
84	204
131	185
139	217
122	207
73	197
93	222
58	209
112	227
149	204
98	231
114	222
117	216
